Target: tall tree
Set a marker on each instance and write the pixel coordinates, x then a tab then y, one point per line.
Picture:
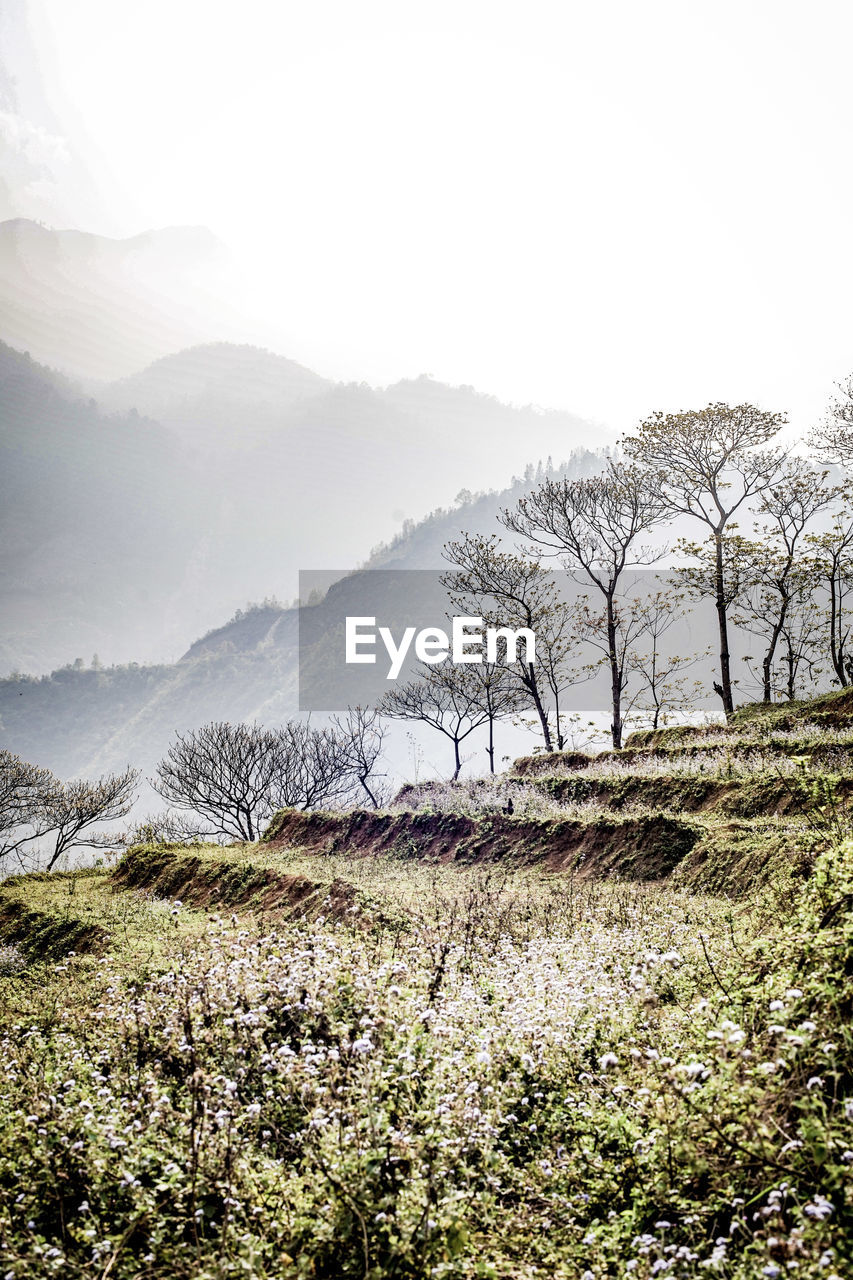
708	463
594	526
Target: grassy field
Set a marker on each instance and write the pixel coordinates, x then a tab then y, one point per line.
425	1044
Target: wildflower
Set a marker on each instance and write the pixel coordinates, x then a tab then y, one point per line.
608	1060
819	1208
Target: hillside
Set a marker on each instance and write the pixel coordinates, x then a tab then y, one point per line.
608	1034
98	517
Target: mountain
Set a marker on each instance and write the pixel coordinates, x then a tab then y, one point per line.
218	395
91	509
100	308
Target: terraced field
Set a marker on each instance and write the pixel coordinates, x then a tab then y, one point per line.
606	1033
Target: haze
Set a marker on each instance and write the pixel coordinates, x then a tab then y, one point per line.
607	208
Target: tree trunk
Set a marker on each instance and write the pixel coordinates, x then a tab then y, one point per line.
540	710
775	634
724	688
615	676
490	749
363	780
836	639
792	673
561	742
458	759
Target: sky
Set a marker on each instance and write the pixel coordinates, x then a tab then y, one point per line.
610	208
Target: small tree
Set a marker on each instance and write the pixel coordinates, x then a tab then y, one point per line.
832	441
24	789
511	590
363	735
789	505
448	698
663	690
72	809
802	639
35	806
594	525
237	775
831	555
225	773
501	695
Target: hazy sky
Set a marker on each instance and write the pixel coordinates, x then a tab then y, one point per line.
605	207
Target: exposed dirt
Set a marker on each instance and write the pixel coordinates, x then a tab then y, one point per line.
42	936
749	797
551	762
642	848
212	882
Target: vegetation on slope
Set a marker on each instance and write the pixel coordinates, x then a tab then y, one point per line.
349	1051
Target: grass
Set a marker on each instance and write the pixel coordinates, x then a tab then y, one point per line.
283	1062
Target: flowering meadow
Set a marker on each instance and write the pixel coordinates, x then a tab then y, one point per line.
507	1075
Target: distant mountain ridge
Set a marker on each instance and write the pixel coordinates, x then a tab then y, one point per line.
203	393
98	308
125	535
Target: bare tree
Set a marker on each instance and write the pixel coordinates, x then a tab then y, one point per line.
790	503
72	809
802	639
501	695
166	827
594	525
511	590
448	698
707	464
35	806
363	734
236	775
225	773
312	767
24	788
